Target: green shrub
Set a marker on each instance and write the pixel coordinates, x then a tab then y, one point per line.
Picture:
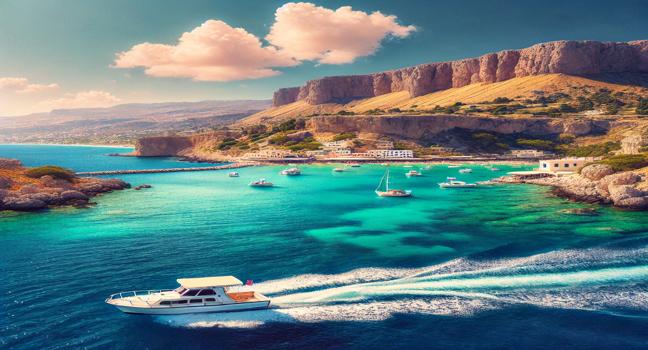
502	100
536	144
278	139
56	172
642	108
344	136
346	113
565	108
595	150
625	162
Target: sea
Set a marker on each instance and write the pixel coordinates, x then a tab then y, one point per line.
497	267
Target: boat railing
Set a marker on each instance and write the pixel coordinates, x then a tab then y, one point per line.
135	293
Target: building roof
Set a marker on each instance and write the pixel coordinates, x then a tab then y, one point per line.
204	282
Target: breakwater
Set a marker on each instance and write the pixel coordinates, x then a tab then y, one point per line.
168	170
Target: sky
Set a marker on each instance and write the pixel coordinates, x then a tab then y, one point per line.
92	53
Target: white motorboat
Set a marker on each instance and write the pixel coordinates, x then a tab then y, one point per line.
261	183
390	192
465	171
291	172
413	173
338	170
452	182
195	295
233	174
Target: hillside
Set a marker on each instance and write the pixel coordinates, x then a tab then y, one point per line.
124	123
524	88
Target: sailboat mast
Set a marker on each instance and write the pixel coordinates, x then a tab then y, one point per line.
387	182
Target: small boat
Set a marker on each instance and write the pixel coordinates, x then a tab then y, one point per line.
195	295
261	183
452	182
390	192
233	174
291	172
338	170
354	165
486	183
454	166
465	171
413	173
494	169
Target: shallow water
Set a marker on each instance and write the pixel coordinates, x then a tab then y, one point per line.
497	267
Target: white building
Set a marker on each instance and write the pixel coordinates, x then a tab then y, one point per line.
384	144
565	164
391	153
528	153
333	145
270	154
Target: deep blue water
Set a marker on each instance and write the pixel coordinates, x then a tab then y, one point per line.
506	267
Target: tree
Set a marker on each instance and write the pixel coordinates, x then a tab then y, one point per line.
642	108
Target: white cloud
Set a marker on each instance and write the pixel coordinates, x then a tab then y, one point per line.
215	51
83	99
22	85
309	32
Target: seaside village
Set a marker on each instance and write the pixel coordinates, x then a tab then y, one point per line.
385	150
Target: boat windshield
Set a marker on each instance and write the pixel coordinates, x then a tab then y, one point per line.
180	290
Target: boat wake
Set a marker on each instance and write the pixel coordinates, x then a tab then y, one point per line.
608	280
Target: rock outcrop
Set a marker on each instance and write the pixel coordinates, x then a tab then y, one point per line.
621	189
568	57
22	193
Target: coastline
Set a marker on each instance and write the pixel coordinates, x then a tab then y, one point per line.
67	144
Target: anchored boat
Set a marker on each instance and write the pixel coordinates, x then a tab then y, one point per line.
195	295
233	174
390	192
261	183
452	182
413	173
291	172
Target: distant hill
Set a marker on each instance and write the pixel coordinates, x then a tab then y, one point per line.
124	123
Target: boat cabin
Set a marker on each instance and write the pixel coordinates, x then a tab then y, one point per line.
207	290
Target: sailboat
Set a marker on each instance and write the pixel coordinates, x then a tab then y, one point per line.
390	192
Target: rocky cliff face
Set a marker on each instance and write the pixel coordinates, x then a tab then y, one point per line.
567	57
419	127
166	146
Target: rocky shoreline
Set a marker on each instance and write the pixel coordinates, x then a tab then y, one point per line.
19	192
596	184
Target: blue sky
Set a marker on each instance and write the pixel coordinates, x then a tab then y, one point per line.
73	43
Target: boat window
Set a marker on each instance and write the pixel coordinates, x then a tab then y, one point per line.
166	302
180	302
196	301
207	300
191	292
207	292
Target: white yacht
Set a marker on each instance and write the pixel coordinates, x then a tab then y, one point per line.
452	182
412	173
233	174
291	172
261	183
195	295
465	171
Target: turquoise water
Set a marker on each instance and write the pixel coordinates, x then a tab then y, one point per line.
497	267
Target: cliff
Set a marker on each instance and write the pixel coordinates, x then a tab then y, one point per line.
584	58
167	146
421	127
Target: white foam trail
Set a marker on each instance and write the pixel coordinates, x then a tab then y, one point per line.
596	279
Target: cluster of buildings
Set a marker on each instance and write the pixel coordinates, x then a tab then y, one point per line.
334	150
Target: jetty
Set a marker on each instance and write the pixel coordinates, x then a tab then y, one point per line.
168	170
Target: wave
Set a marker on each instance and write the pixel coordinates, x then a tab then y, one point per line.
592	279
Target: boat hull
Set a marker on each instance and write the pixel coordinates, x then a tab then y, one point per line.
179	310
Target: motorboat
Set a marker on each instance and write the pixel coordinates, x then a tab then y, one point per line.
195	295
338	170
291	172
413	173
233	174
452	182
354	165
454	166
465	171
387	192
261	183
